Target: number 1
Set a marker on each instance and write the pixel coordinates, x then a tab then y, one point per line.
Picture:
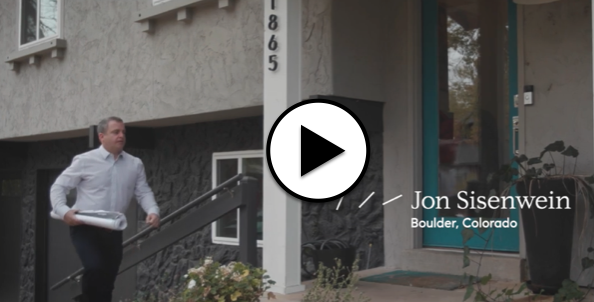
273	4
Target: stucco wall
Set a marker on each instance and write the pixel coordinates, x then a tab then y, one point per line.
558	62
373	59
316	56
111	67
402	150
359	48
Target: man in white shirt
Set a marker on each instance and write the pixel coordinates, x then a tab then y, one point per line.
106	178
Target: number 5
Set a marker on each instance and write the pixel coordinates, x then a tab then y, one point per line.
272	60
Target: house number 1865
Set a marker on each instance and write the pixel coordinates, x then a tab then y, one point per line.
272	43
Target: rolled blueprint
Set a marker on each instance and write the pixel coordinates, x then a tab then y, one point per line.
104	219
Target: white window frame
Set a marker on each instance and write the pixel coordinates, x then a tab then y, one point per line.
58	35
239	155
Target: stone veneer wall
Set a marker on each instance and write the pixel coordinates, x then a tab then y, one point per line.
179	170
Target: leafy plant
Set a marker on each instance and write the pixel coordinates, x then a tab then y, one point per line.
525	169
331	286
224	283
476	283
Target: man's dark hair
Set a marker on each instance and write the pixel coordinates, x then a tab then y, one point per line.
102	126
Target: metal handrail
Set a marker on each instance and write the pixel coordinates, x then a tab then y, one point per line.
169	217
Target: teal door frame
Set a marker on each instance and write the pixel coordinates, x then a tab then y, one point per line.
502	239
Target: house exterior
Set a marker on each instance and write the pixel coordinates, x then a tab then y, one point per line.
200	83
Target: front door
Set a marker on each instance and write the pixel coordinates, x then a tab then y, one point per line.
468	86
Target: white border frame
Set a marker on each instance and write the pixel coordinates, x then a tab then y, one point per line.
59	35
240	155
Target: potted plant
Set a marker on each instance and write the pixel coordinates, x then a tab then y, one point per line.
235	281
546	195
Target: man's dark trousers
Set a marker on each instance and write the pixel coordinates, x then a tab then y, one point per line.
100	251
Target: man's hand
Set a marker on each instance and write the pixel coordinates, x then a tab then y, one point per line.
70	219
153	220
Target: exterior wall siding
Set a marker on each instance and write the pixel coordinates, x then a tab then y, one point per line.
211	64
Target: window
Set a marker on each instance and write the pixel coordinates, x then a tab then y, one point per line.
39	21
224	166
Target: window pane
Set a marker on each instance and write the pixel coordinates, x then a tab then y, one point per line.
253	167
28	21
227	225
48	18
473	99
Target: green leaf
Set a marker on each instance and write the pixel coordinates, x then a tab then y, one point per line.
531	172
548	167
467	234
466	258
534	160
590	179
587	262
469	291
520	159
486	279
480	297
466	262
590	250
557	146
570	151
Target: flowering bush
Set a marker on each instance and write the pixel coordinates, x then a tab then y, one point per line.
223	283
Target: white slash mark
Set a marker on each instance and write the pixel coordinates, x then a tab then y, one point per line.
387	202
366	200
340	202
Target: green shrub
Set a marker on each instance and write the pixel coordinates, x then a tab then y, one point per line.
331	286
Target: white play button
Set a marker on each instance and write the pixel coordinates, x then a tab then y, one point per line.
318	150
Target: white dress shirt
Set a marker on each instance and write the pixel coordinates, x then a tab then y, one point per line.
103	183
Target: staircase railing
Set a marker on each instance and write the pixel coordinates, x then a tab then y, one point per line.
234	196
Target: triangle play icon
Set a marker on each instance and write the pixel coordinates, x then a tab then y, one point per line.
315	150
